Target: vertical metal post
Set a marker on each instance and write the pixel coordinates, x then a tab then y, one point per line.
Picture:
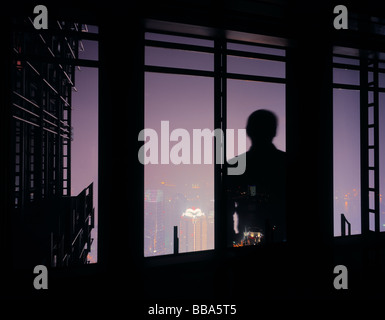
376	146
176	240
344	223
364	144
369	188
220	97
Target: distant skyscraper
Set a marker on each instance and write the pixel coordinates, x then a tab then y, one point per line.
193	231
154	221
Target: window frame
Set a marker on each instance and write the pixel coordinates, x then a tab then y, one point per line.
220	76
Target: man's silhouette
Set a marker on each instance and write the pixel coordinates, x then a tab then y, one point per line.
258	196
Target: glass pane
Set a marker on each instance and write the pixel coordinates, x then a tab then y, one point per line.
164	57
372	221
371	200
371	158
371	136
346	159
245	97
256	67
345	76
88	50
256	199
179	39
180	194
381	80
351	61
371	179
370	115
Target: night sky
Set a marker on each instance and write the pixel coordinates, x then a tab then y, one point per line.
85	130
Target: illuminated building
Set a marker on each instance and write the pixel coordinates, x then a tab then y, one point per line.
210	230
154	220
193	230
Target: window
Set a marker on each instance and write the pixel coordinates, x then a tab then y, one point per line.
358	106
256	90
194	85
177	104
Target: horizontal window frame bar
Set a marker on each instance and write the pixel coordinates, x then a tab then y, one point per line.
340	55
178	34
255	44
181	71
346	66
212	38
202	73
57	60
255	55
247	77
355	87
203	49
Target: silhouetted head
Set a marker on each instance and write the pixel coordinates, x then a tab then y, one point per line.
261	126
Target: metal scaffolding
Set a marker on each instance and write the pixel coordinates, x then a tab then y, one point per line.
42	84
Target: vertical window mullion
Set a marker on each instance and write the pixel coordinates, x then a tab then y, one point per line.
364	144
376	144
220	97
